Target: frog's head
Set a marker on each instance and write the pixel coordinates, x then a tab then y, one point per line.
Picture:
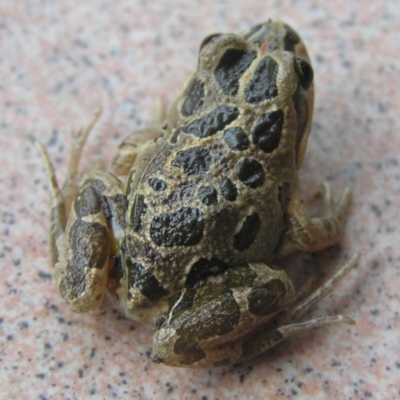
267	63
295	77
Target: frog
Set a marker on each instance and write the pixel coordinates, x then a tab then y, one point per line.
185	235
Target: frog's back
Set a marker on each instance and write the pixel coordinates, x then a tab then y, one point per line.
213	192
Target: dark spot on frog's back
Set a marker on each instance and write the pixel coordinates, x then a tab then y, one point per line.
263	83
228	189
203	268
231	67
210	124
157	184
248	232
195	160
182	228
208	195
266	133
250	172
194	98
236	138
144	280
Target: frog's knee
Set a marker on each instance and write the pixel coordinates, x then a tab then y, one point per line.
196	322
205	327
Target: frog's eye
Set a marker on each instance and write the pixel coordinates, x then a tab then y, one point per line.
304	72
208	39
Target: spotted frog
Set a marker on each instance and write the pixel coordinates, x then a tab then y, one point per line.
189	245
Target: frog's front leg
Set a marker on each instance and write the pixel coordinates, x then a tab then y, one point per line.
87	226
131	147
312	234
217	325
91	241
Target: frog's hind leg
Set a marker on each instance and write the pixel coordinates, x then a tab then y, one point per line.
237	324
206	321
311	234
82	224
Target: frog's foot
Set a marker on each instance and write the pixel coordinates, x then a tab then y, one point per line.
131	147
286	324
312	234
234	325
83	222
61	199
78	142
134	144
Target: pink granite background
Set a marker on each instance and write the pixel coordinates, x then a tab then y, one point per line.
59	61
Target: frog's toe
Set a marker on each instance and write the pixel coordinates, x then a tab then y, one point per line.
328	206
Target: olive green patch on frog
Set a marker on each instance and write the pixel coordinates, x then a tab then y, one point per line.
242	276
226	313
266	299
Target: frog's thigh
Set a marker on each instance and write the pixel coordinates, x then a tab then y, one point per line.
131	147
88	246
205	327
311	234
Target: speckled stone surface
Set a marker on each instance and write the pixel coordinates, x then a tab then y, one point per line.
59	62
